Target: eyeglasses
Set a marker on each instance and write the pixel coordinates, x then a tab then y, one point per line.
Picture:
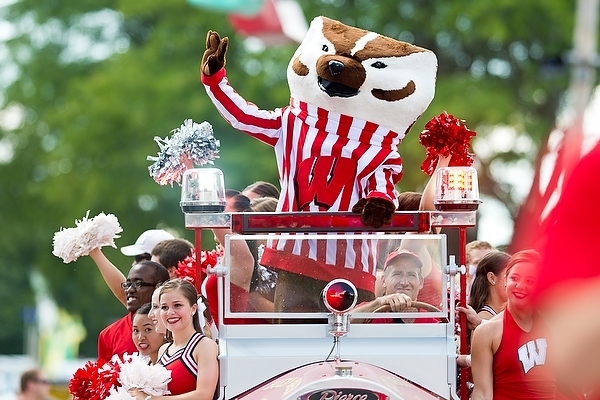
42	381
136	284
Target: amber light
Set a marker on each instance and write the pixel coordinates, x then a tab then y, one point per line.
459	180
456	189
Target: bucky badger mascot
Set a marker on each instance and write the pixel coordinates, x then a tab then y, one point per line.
354	96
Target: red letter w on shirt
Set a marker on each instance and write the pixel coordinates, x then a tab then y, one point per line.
323	179
533	353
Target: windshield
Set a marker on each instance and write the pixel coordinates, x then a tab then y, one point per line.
291	270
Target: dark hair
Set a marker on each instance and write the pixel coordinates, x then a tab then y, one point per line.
240	203
31	375
230	193
263	189
144	309
189	292
159	272
409	201
141	257
494	262
171	251
255	279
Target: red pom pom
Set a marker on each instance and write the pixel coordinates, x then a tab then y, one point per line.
94	380
446	136
108	376
186	269
83	379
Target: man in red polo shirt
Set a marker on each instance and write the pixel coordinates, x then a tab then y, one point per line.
141	282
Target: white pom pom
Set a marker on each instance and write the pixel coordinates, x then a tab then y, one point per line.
119	394
89	234
150	379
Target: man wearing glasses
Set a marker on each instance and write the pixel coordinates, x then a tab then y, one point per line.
141	282
34	385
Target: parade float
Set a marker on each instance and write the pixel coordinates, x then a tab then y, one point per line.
325	354
354	96
326	351
334	226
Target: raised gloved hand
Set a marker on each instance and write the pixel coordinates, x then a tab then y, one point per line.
375	211
213	59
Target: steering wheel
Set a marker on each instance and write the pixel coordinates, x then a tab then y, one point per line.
413	304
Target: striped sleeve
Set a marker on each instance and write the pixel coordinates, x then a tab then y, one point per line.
244	116
381	183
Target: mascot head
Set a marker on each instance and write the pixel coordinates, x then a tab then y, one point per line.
359	73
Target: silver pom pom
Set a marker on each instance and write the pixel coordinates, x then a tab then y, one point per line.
191	144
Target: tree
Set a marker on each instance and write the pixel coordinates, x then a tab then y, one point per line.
96	80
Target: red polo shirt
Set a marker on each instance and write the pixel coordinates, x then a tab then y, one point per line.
116	339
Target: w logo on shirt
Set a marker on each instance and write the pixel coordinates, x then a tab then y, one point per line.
323	180
533	353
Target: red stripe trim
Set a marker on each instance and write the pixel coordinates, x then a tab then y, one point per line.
367	132
342	247
320	247
223	94
322	117
187	357
307	267
346	122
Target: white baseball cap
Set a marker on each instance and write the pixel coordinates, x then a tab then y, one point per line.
146	242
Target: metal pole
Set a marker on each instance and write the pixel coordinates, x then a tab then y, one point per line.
462	260
198	250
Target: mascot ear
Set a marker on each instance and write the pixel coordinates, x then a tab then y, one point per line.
375	211
213	59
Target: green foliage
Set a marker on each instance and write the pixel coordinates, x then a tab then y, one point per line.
89	120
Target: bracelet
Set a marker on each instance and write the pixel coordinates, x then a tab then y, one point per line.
467	361
148	397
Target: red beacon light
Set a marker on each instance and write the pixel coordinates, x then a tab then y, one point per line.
457	189
340	296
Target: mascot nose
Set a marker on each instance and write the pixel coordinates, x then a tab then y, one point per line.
335	67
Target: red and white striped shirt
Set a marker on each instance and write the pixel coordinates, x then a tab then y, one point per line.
327	162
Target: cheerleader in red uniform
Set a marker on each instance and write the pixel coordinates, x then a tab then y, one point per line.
191	357
510	352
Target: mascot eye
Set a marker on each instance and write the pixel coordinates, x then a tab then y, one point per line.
325	48
378	64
